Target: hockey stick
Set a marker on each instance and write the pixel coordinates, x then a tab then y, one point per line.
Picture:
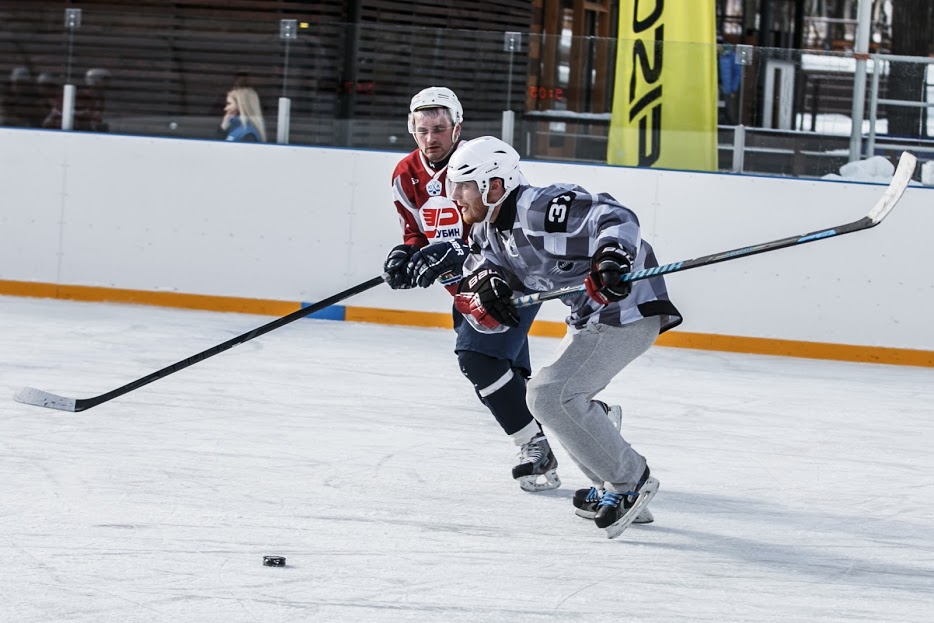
39	398
906	168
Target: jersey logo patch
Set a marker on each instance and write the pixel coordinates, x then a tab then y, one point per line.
565	266
538	283
441	220
434	188
556	219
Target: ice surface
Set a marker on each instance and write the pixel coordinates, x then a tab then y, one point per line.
791	490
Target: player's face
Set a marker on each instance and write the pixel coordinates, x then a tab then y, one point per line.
469	200
434	133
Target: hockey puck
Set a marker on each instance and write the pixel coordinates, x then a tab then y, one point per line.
274	561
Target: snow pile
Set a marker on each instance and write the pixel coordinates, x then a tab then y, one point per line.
875	169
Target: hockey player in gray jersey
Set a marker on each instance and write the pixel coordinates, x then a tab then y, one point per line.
526	239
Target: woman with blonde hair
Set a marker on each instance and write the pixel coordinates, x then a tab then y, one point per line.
243	116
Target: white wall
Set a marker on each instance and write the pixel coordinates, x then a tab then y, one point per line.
301	223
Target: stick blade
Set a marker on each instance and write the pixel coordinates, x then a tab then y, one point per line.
903	174
39	398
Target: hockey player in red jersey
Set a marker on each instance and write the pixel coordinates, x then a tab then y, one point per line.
434	249
425	214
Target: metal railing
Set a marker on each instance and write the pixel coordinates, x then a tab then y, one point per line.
169	82
882	64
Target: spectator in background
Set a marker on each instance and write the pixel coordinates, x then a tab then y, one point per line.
20	106
241	79
92	101
730	76
41	105
50	100
243	117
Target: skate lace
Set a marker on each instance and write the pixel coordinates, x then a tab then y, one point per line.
593	495
531	452
611	499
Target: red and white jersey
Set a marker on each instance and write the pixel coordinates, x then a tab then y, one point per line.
425	212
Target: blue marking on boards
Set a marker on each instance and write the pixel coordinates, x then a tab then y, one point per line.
334	312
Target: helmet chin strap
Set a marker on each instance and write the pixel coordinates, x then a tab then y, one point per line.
455	135
490	207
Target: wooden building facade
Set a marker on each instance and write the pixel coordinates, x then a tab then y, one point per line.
350	70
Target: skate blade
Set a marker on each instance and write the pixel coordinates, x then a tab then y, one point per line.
532	483
648	491
645	517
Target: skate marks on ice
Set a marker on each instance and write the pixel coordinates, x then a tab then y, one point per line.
388	488
874	553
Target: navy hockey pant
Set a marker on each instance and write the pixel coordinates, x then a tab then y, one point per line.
498	364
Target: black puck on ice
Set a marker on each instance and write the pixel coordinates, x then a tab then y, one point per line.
274	561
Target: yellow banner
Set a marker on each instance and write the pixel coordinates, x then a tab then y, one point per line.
665	99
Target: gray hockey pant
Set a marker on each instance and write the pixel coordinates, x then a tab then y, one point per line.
561	396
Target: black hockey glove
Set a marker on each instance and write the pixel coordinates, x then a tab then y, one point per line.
488	298
609	263
394	272
440	260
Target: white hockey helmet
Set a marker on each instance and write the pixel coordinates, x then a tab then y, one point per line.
483	159
436	97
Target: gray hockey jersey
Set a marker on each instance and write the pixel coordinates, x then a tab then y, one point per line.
544	238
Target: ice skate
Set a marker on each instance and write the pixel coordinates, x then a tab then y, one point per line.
616	511
537	465
586	501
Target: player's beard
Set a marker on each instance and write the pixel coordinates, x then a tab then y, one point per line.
474	214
